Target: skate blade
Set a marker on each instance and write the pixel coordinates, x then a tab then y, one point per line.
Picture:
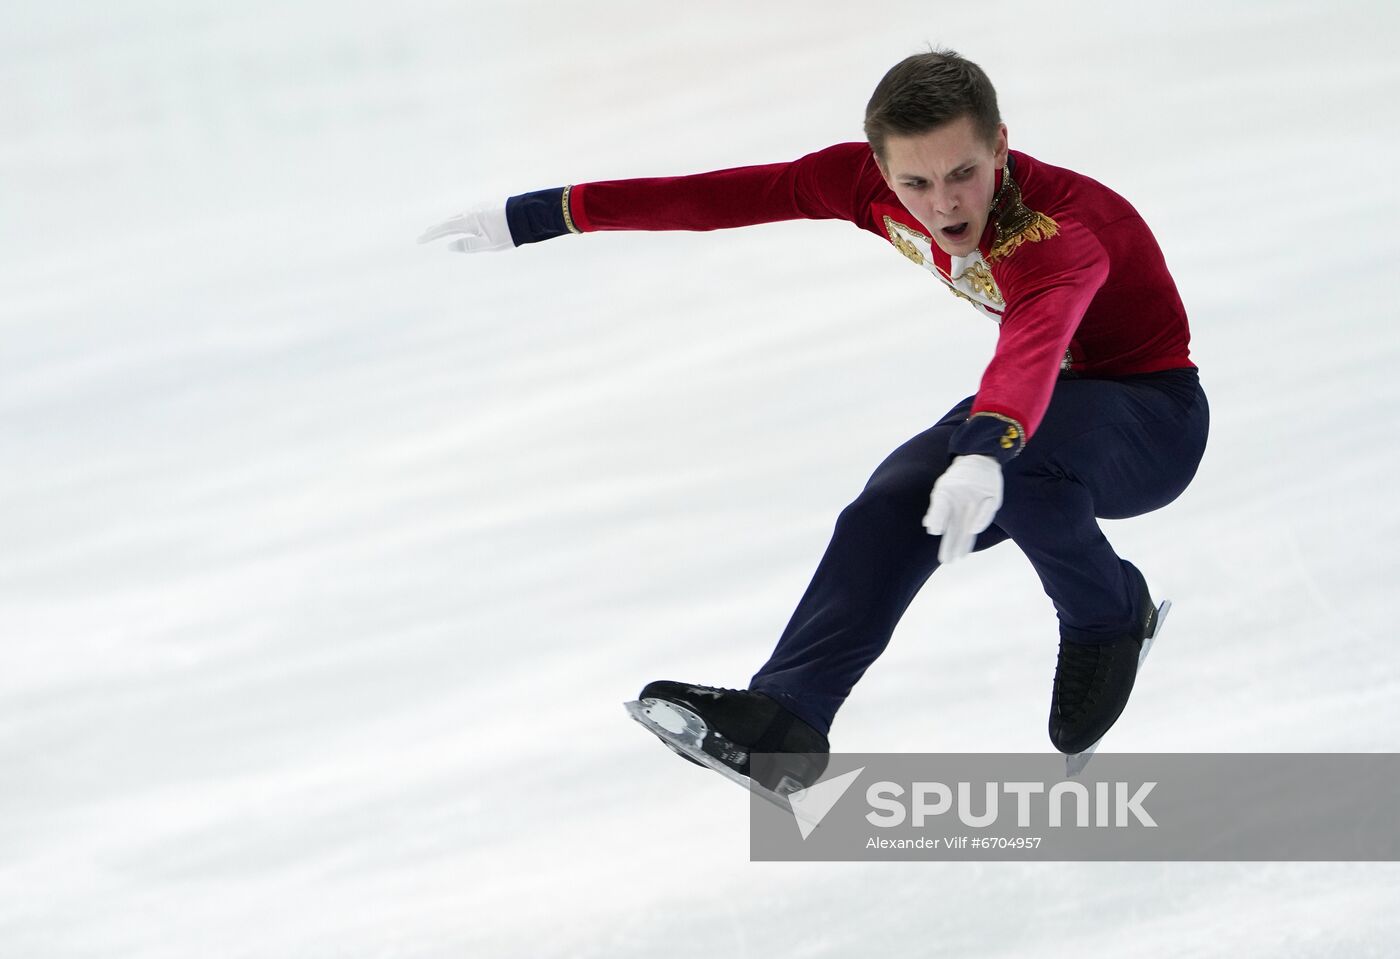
1075	762
683	732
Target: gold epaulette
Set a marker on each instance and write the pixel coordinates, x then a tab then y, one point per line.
1015	222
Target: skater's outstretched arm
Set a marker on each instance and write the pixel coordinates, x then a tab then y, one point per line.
824	185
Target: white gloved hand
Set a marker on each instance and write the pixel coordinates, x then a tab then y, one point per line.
963	503
484	229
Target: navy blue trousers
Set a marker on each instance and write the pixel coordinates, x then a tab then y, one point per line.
1107	448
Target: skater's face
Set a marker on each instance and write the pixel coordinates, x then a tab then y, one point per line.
946	178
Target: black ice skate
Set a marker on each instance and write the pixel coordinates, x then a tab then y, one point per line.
1093	683
721	728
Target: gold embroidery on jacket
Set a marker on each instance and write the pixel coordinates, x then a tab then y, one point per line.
568	219
980	279
903	245
978	276
1014	435
1015	222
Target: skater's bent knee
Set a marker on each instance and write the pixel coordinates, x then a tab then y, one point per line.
886	504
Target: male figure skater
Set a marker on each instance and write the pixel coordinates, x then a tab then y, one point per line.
1090	406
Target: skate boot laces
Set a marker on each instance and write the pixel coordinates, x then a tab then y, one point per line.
1077	677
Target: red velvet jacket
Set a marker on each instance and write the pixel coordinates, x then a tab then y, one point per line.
1089	296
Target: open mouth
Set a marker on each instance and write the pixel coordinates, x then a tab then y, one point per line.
955	232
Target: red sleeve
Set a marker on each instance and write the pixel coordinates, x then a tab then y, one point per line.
819	186
1048	285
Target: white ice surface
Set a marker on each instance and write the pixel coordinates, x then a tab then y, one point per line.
328	559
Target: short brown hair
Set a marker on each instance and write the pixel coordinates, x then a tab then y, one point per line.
925	91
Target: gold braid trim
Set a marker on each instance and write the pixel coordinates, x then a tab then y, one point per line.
1015	434
569	220
1015	222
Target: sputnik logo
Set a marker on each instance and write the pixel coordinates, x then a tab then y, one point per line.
810	806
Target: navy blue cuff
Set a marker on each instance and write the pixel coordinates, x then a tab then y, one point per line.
538	216
989	434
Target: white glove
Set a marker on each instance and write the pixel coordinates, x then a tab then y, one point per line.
963	503
483	228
